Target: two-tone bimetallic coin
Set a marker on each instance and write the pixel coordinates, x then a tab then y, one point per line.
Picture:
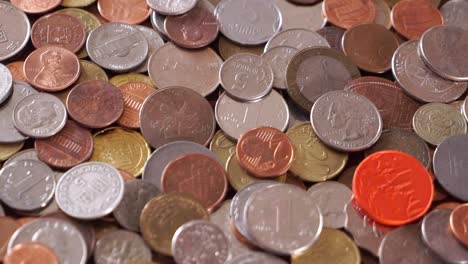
278	58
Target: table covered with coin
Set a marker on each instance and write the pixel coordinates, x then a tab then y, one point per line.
233	131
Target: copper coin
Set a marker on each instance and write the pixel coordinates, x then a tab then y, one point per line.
459	223
265	152
349	13
125	11
36	6
126	175
195	29
411	18
8	226
59	30
177	114
395	107
31	253
199	175
70	147
370	47
17	71
52	68
95	104
334	36
134	94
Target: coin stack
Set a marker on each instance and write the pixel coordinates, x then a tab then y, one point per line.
233	131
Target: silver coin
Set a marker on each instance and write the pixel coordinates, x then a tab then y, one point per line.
136	194
61	236
159	159
331	198
8	131
298	38
283	219
121	246
454	13
172	7
404	245
296	114
117	46
236	117
157	21
6	82
437	236
346	121
261	19
246	77
27	154
40	115
301	16
278	58
90	190
14	32
201	241
256	258
154	42
27	185
465	108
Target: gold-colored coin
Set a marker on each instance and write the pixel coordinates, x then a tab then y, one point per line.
122	79
314	161
332	246
77	3
91	71
163	215
8	150
239	178
382	14
346	177
222	147
228	48
122	148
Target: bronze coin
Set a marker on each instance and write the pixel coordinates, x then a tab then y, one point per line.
134	94
59	30
370	47
52	68
36	6
349	13
177	114
125	11
8	226
199	175
459	223
334	36
95	104
17	71
31	253
71	146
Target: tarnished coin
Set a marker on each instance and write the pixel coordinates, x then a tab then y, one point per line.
346	121
436	122
120	246
15	31
31	252
154	40
454	13
442	49
297	38
91	71
334	36
458	223
301	16
256	31
349	13
246	77
6	83
90	190
278	59
35	6
16	69
134	95
8	150
186	245
77	3
382	14
124	11
255	258
117	46
172	8
223	147
419	81
8	227
315	71
228	48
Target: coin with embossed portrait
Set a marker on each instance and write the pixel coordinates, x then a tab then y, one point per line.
15	30
346	14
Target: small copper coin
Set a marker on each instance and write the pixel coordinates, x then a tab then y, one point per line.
199	175
17	71
459	223
125	11
36	6
8	226
59	30
52	68
31	253
134	95
349	13
95	104
411	18
265	152
71	146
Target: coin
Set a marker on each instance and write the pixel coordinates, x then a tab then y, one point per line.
419	81
331	246
222	147
297	38
448	205
122	246
157	21
130	12
95	104
278	59
35	6
297	115
411	18
119	80
346	177
454	12
77	3
91	71
6	83
442	60
90	190
134	95
346	121
382	14
31	253
300	16
457	223
465	108
458	105
22	155
246	77
235	117
175	114
315	71
334	36
15	30
172	8
154	42
249	31
8	226
186	244
163	215
8	150
228	48
350	13
16	70
256	257
436	122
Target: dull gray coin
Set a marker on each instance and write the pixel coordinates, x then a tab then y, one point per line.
117	46
256	258
154	42
27	185
6	82
171	8
278	58
454	13
334	36
437	236
15	30
157	21
298	38
300	16
246	77
121	246
32	155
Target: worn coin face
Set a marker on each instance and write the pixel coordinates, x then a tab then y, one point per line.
334	36
91	71
41	254
457	223
349	13
16	30
454	13
228	48
154	40
120	246
278	59
301	16
256	257
130	12
297	38
6	83
90	190
172	8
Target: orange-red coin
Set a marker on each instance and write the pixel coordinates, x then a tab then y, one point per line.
31	253
16	69
393	188
459	223
265	152
349	13
125	11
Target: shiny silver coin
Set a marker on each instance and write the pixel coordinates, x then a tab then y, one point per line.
15	30
256	258
297	38
6	83
121	246
154	40
117	46
455	13
278	58
61	236
157	21
172	8
27	185
90	190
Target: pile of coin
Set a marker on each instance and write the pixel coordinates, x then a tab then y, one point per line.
233	131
